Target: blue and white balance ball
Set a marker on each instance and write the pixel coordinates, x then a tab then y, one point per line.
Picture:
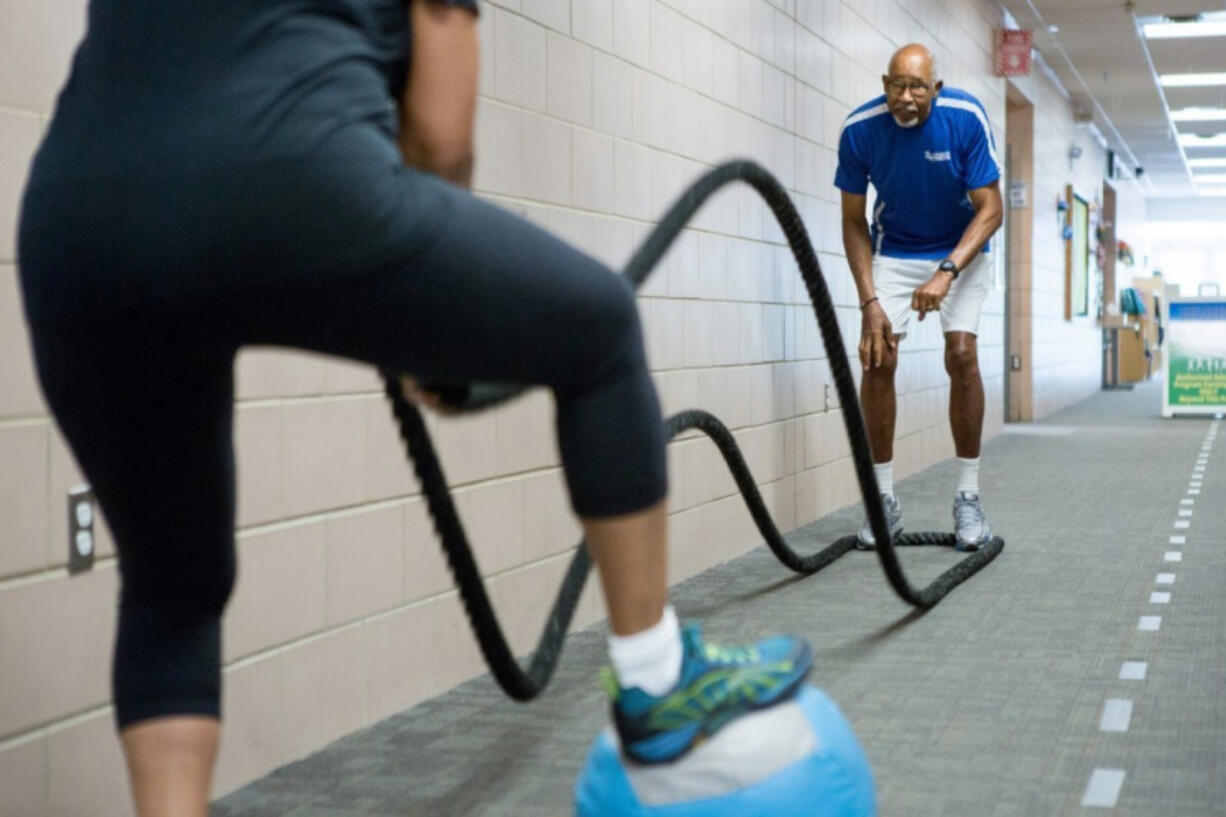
795	759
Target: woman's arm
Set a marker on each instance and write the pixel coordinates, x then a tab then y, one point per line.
437	109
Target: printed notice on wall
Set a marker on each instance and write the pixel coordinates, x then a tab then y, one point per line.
1018	194
1196	368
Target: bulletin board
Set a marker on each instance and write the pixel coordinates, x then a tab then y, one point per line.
1079	277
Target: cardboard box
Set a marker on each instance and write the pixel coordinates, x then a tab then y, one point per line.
1133	365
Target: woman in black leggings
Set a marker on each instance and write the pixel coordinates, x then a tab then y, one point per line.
222	173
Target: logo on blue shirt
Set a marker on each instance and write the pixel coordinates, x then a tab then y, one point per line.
939	156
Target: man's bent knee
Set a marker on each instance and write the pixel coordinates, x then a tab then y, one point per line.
885	370
961	354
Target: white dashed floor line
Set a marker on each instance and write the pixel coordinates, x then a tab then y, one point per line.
1103	790
1117	715
1104	786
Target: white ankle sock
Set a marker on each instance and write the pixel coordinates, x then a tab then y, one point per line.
968	477
651	659
885	476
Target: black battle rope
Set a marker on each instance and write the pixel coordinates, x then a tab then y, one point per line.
524	684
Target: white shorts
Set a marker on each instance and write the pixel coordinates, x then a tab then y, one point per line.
896	279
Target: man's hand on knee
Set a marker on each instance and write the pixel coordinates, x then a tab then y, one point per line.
876	336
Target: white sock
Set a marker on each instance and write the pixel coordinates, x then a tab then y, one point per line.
651	659
885	476
968	477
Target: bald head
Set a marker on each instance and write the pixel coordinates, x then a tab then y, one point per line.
911	84
913	60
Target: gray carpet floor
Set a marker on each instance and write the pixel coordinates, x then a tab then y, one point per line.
989	704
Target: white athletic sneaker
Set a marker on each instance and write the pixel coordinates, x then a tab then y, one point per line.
893	518
970	525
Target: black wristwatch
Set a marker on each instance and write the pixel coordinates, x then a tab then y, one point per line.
948	266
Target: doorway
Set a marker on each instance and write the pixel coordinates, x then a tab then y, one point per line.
1019	223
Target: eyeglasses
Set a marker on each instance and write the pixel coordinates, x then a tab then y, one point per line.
917	88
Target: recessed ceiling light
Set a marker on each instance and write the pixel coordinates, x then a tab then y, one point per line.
1192	80
1192	140
1168	31
1053	29
1198	114
1217	161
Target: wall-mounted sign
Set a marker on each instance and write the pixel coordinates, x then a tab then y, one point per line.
1019	194
1012	52
1196	366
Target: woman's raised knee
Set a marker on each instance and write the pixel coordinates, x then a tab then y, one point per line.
611	326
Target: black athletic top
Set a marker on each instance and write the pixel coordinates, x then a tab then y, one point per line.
203	145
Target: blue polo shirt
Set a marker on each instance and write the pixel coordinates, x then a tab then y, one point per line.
921	174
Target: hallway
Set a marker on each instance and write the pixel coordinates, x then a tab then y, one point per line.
993	703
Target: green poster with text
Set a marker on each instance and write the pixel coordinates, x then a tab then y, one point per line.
1196	345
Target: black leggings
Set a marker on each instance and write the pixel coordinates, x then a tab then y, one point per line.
146	402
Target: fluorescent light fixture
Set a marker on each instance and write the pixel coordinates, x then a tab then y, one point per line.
1198	114
1168	31
1211	179
1215	161
1212	191
1192	80
1192	140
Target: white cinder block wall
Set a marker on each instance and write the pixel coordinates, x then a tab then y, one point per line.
594	114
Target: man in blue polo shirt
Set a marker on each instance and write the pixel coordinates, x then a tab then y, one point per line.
929	154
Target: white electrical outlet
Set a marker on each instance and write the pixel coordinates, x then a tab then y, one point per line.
81	517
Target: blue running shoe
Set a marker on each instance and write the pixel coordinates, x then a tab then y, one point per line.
717	685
